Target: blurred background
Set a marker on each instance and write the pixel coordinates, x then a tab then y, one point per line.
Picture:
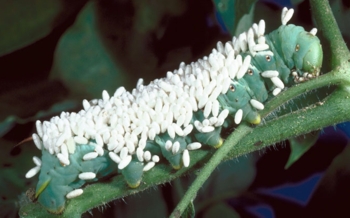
54	54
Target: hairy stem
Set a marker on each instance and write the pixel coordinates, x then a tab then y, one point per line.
218	156
328	112
326	22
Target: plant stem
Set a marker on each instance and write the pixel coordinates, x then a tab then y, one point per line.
334	109
326	22
218	156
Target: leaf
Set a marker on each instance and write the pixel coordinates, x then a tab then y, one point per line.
82	62
141	36
32	102
189	212
234	177
11	121
23	22
135	206
221	210
7	124
230	179
237	15
299	145
27	100
148	17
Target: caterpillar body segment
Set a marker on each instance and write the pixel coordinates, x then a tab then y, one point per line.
57	180
165	121
133	172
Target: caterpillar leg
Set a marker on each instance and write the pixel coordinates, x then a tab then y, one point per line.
172	149
133	172
212	138
143	160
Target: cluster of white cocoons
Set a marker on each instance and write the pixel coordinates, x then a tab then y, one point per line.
123	122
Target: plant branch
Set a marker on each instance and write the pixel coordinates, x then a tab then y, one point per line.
326	22
215	160
332	110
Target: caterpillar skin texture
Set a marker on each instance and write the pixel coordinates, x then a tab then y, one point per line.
129	133
55	179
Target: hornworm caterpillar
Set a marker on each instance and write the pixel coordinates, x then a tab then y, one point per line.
129	133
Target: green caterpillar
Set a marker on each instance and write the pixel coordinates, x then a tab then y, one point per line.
129	133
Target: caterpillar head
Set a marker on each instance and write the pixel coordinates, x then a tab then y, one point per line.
296	49
308	53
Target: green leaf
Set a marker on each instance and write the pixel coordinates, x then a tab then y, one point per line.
11	121
236	14
32	102
299	146
231	177
7	124
23	22
189	212
82	62
148	17
229	180
26	101
135	206
221	210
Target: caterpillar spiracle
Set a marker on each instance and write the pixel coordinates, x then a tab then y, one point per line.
166	120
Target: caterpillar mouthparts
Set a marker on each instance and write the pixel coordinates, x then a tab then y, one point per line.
129	133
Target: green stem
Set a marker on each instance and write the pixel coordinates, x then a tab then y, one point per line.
218	156
331	78
334	109
326	22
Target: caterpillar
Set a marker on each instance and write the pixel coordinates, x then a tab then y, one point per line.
130	132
